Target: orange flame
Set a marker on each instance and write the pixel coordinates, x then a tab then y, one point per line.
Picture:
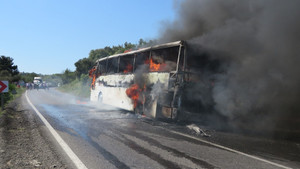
155	66
128	69
129	50
134	93
92	74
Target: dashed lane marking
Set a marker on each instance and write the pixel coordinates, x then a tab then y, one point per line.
78	163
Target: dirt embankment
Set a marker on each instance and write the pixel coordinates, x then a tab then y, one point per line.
22	140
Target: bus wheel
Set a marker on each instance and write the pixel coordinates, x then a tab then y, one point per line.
100	97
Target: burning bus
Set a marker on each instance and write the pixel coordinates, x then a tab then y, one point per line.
161	81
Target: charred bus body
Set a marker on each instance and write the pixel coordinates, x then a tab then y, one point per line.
166	81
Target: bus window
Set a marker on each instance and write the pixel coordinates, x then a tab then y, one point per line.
141	59
112	65
102	67
126	64
164	59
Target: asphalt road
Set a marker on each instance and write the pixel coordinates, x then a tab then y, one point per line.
105	137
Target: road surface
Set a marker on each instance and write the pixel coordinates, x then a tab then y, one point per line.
105	137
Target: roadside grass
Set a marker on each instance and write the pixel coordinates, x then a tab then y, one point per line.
19	91
77	88
14	92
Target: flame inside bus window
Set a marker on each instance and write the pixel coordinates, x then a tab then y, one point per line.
155	66
163	59
126	64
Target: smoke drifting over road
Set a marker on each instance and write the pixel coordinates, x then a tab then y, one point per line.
261	42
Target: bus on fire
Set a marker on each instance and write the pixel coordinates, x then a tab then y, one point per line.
156	81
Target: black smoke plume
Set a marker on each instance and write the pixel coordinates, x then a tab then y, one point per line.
260	40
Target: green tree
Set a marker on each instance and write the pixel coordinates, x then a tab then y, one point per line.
68	76
142	42
129	46
6	63
99	53
8	70
117	49
83	66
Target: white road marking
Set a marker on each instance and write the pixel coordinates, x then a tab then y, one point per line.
231	150
78	163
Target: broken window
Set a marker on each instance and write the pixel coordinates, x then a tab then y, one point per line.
126	64
164	59
101	67
112	65
141	60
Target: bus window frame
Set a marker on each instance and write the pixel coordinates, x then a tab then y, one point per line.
165	58
135	66
180	61
115	69
132	63
100	70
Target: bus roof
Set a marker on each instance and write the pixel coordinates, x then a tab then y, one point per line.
165	45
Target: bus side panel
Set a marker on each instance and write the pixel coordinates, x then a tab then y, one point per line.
113	90
116	96
94	94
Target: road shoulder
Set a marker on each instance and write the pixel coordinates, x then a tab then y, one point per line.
23	140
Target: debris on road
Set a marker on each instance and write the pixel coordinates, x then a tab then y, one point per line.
197	129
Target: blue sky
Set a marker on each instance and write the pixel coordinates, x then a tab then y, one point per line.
48	36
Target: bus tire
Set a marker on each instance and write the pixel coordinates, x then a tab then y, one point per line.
100	97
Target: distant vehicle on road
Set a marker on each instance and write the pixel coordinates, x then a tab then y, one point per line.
37	82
